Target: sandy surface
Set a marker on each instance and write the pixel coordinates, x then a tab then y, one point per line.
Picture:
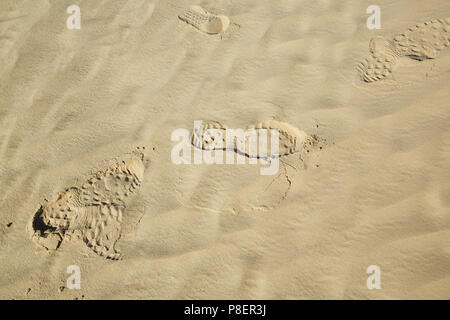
377	193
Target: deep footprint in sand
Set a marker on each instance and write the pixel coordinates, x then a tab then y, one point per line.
93	211
423	41
205	21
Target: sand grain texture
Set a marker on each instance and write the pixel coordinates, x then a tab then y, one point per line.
74	102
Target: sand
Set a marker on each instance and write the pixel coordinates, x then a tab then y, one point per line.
371	187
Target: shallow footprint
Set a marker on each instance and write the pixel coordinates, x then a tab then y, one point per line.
380	62
420	42
205	21
211	135
240	188
424	40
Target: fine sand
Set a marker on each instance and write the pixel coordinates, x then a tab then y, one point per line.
87	178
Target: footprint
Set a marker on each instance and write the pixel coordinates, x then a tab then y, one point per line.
423	41
381	61
206	136
93	211
212	136
234	189
205	21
